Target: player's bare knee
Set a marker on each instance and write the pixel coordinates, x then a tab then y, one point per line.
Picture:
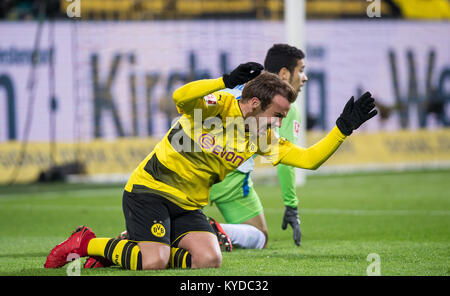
216	261
154	262
207	260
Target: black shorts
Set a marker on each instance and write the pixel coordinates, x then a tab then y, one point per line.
150	217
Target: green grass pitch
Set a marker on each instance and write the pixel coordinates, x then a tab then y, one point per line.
402	217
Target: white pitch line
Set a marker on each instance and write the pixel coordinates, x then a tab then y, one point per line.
365	212
95	208
109	208
55	194
114	192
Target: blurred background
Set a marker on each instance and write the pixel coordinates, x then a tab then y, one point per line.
85	85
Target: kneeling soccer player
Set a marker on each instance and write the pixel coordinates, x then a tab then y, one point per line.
235	196
163	198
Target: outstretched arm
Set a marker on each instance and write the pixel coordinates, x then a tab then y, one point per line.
311	158
354	114
186	97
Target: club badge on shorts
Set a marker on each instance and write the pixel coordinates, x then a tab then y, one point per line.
158	229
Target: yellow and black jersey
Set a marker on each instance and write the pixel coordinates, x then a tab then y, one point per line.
208	142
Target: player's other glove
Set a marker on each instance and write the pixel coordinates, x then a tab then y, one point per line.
242	74
356	113
291	217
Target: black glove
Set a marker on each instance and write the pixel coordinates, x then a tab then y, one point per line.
356	113
291	217
242	74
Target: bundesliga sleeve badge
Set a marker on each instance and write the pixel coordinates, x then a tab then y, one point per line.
210	100
296	128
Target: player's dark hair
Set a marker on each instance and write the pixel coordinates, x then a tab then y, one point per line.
282	55
266	86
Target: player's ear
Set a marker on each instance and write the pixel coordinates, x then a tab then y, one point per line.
255	103
284	74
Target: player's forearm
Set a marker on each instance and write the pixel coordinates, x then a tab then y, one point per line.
187	95
286	176
314	156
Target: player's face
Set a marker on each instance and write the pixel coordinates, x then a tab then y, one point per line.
298	77
273	115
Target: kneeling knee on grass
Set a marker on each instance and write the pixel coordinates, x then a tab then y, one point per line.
196	250
203	248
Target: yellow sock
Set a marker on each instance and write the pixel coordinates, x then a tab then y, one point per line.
119	251
179	258
96	246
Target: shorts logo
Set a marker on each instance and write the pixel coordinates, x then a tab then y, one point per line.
158	229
